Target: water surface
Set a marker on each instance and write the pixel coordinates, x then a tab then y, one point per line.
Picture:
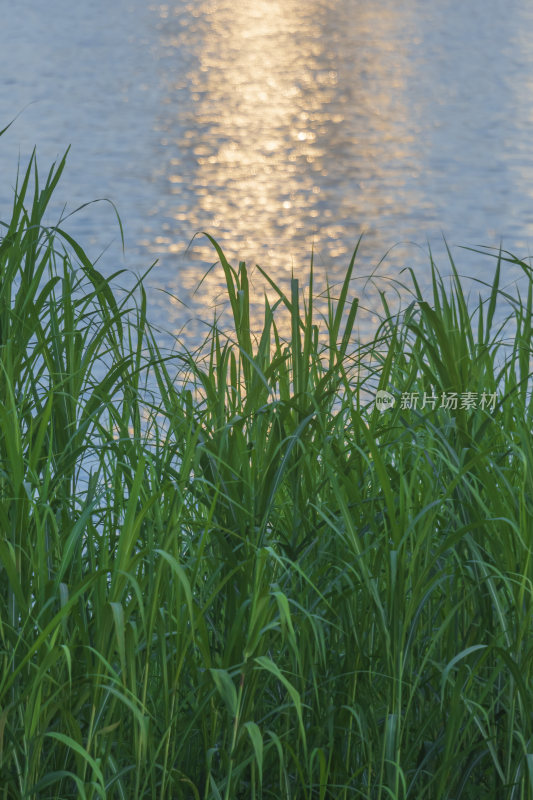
280	127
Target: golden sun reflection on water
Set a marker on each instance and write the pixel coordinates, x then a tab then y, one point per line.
260	113
289	142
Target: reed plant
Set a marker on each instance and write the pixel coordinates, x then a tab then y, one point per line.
228	575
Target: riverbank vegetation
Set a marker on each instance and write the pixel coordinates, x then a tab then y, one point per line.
232	577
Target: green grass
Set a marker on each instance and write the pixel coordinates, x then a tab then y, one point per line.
229	576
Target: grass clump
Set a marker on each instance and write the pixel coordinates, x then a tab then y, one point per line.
230	576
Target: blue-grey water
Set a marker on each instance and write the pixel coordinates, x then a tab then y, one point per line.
280	127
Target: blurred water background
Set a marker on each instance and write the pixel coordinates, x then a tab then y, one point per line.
280	127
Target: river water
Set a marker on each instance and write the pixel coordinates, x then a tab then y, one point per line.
280	127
